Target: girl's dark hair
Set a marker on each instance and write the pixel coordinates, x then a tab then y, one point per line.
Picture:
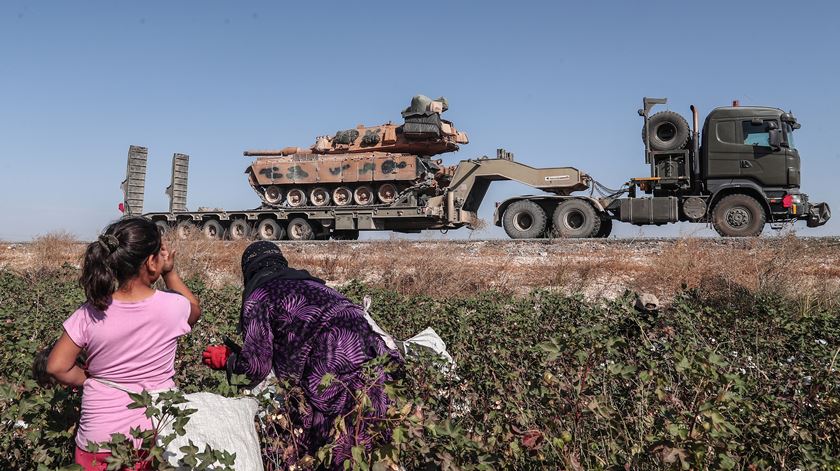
116	257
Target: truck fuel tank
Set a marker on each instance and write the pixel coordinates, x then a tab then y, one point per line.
654	210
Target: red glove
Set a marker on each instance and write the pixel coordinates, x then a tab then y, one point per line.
215	356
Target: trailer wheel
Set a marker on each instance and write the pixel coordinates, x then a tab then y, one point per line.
363	195
319	196
273	194
269	229
184	229
668	131
212	230
575	219
300	229
342	196
738	216
296	198
162	226
239	229
524	220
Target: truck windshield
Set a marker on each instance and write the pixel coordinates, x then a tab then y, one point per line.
789	136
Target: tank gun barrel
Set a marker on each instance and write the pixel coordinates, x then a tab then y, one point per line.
263	153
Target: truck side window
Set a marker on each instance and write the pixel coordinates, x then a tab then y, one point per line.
756	134
726	132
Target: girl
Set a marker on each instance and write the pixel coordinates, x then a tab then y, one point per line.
303	329
128	329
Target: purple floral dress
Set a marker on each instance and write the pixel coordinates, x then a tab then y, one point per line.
305	330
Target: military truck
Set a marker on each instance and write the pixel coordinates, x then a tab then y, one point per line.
739	174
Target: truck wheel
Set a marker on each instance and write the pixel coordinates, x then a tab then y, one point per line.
524	220
668	131
738	216
342	196
300	229
575	219
239	229
606	227
212	230
269	229
273	194
296	198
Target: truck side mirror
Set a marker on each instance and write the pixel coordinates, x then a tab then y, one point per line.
775	139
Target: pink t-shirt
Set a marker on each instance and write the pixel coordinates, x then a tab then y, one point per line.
132	344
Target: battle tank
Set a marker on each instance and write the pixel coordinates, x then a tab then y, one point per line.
388	164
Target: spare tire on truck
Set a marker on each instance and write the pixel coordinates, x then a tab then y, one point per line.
668	131
524	220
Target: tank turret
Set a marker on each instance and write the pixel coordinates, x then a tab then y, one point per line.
388	164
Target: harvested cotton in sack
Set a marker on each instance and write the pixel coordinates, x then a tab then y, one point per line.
224	423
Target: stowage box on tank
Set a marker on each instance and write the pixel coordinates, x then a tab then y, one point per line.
361	166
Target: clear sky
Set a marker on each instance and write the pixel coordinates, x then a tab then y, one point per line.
557	83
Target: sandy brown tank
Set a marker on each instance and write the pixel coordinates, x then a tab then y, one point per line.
363	165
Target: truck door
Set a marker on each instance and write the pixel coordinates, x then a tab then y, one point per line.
757	160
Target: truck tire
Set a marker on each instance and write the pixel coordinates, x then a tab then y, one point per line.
524	220
269	229
300	229
606	227
738	216
239	229
576	219
668	131
184	230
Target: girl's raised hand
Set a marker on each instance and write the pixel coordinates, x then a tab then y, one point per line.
168	257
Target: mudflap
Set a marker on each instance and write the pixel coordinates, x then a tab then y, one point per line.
818	214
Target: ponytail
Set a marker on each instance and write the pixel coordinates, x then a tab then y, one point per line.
116	257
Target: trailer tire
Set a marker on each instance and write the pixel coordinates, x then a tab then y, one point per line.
345	234
213	230
239	229
300	229
524	220
668	131
184	229
738	216
576	219
269	229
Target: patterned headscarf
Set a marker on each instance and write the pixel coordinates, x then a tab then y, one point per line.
263	262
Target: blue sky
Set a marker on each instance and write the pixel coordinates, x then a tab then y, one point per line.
557	83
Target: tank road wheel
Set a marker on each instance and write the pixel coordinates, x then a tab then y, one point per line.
387	193
576	219
342	196
319	196
239	229
273	194
524	220
162	226
738	216
212	230
363	195
300	229
269	229
184	229
296	198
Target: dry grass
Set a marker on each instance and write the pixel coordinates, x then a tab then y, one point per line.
805	269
